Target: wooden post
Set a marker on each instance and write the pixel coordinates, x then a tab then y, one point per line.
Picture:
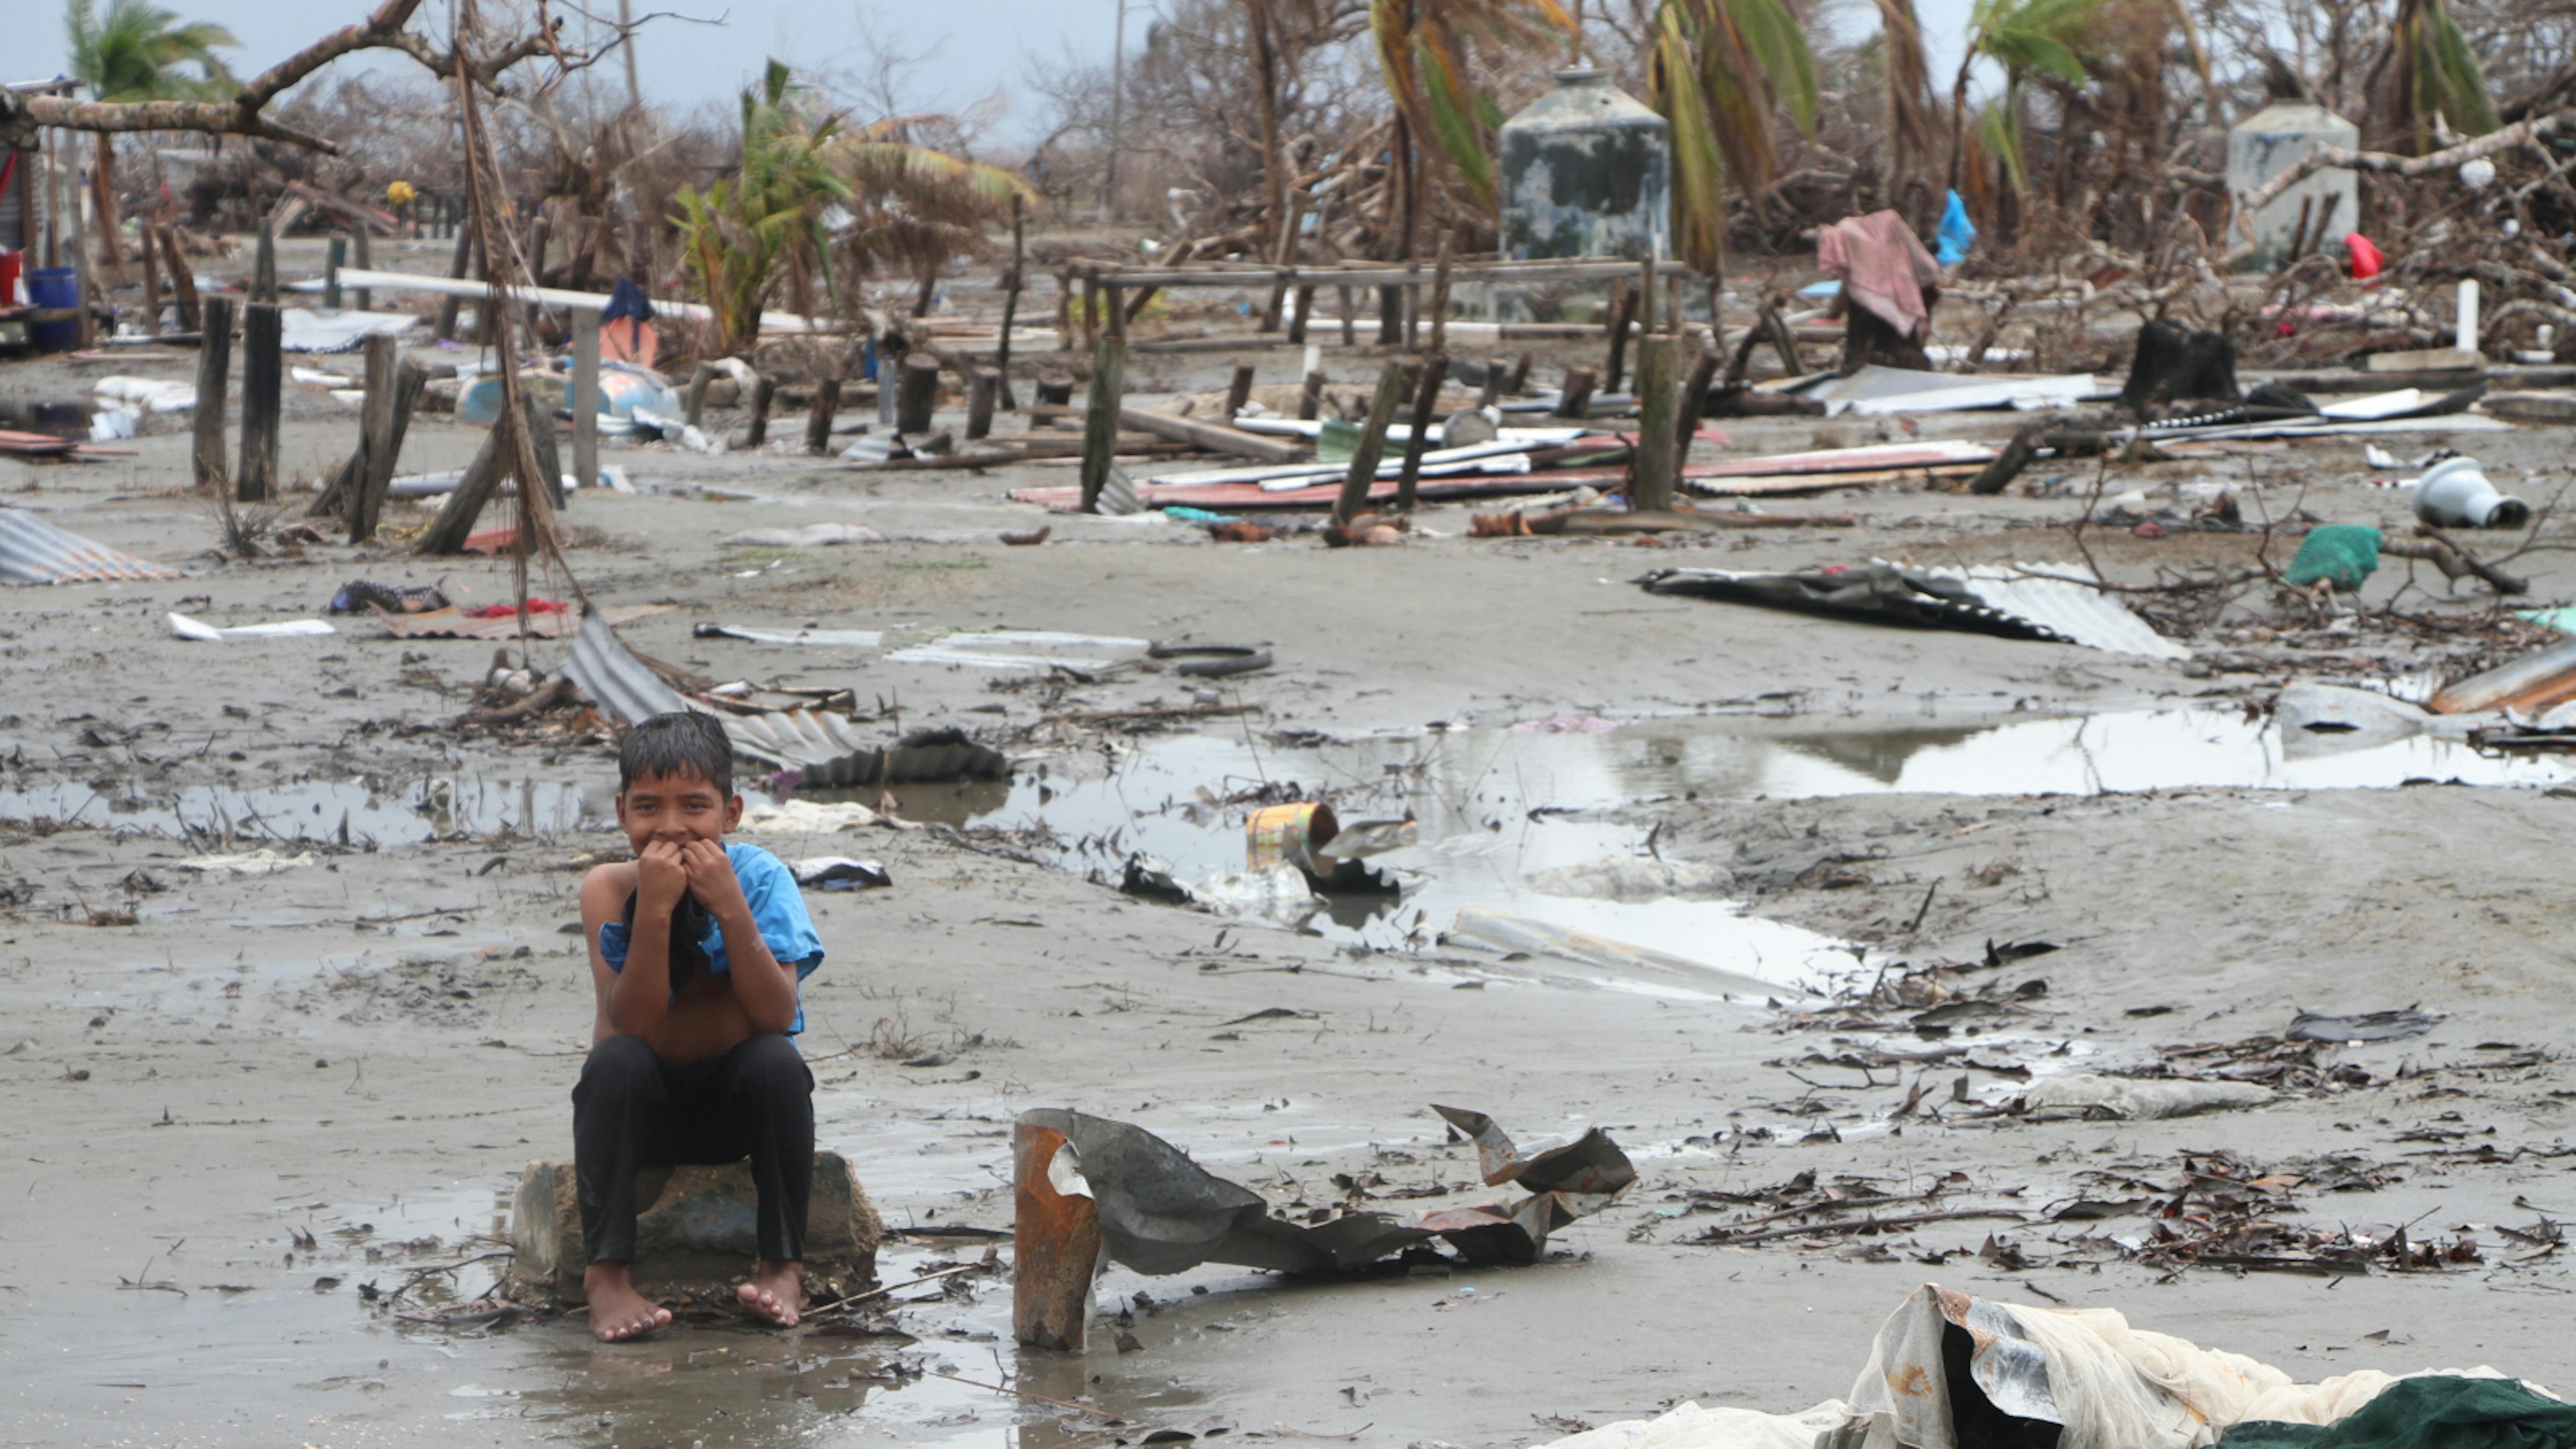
183	280
979	401
1010	305
693	403
1100	415
1286	262
1694	406
827	406
1645	296
1574	398
1651	490
1305	306
486	326
456	516
409	383
362	298
1493	388
446	329
1520	374
1064	309
1372	444
1623	310
214	371
1350	319
585	398
1091	308
151	280
1426	409
263	268
263	376
916	394
1390	315
762	393
541	431
86	319
375	437
1238	392
1114	298
1783	341
1440	301
1054	390
335	259
1310	397
537	231
1055	1240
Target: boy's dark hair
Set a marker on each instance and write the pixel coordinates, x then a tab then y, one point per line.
683	742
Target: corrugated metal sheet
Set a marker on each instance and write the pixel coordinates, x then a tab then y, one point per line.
826	747
455	624
614	678
2088	616
33	551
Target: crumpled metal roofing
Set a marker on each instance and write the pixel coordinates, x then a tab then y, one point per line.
34	551
2088	616
825	747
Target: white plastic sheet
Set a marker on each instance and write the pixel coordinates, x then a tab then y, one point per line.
2108	1385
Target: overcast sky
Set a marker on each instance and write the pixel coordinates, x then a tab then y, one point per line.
970	48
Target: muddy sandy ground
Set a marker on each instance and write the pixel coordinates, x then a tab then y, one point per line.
271	1092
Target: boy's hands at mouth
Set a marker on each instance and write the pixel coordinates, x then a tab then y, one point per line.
662	876
710	878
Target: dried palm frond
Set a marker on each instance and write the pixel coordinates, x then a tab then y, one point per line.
1426	50
1715	69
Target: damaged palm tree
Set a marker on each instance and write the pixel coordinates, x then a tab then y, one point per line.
1091	1191
914	205
744	236
137	52
1426	52
2429	79
1715	69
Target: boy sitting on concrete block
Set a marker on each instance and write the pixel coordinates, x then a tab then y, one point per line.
696	951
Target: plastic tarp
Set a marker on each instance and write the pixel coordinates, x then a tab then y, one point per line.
302	331
2105	1385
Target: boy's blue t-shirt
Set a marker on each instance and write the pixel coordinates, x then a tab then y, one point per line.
777	908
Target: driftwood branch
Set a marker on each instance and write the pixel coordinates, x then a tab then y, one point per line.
246	114
2326	158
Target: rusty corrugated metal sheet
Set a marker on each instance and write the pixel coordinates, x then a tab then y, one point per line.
825	747
33	551
456	624
2534	683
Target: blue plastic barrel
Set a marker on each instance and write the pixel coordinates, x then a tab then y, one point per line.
51	287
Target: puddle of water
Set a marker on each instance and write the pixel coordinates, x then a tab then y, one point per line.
382	812
1481	798
1472	794
2087	755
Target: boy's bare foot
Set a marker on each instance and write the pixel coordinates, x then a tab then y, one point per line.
617	1311
776	1292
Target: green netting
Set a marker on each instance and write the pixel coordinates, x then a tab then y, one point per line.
2432	1412
2341	553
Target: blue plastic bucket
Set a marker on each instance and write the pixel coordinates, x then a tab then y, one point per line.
52	287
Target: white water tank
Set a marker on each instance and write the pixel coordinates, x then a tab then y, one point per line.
1587	172
2271	141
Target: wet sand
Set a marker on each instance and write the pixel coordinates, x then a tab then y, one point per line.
365	1048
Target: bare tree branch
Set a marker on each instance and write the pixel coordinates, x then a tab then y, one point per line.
246	113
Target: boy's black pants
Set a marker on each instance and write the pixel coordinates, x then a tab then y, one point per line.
634	1110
